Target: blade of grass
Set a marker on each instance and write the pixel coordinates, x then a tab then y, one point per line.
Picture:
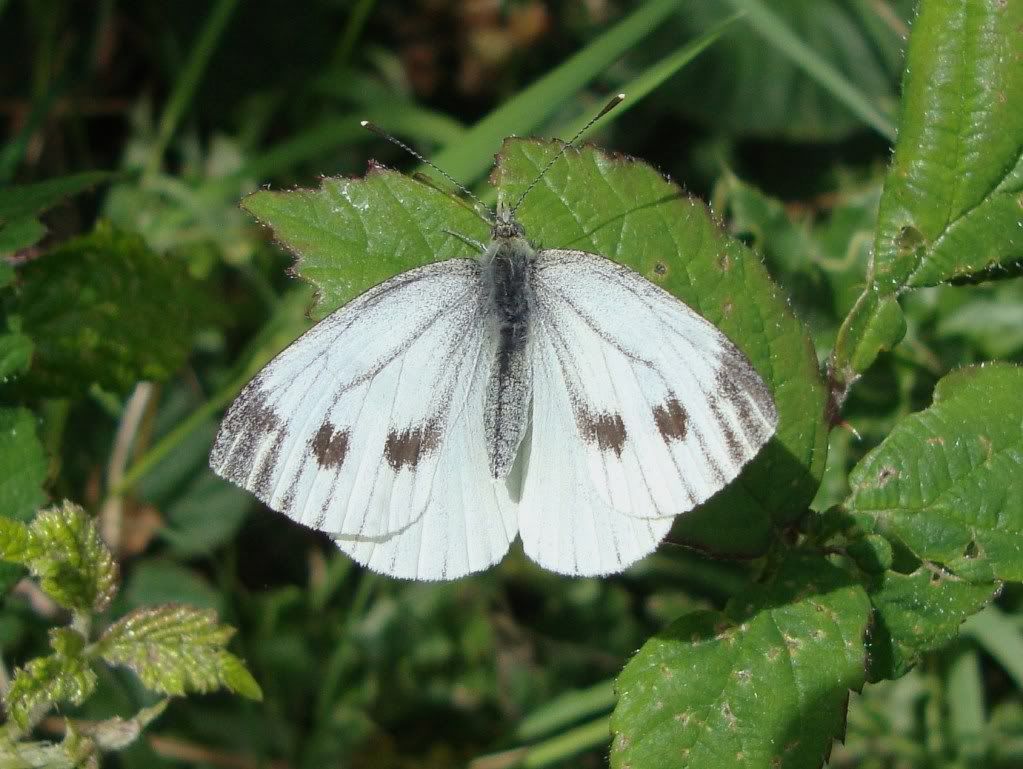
652	77
635	89
1000	637
188	81
966	707
595	734
469	158
565	710
353	30
776	32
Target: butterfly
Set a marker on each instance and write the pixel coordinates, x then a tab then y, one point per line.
550	394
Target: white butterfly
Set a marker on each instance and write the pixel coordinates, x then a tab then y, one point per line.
551	394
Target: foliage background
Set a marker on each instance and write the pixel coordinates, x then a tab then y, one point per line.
143	331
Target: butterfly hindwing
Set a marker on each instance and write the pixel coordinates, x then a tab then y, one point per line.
349	430
665	409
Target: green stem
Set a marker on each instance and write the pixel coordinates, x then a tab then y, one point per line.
188	81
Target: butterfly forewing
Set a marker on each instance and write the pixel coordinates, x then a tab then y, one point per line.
349	429
666	410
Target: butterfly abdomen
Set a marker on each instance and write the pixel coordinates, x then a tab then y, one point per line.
507	267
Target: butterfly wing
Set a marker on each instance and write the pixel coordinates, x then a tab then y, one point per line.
363	424
661	408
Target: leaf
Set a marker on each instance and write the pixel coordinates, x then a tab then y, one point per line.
15	355
950	209
947	481
952	197
917	613
626	211
354	233
75	567
998	634
22	200
22	464
16	542
176	649
20	233
205	515
61	677
103	308
756	81
22	473
763	684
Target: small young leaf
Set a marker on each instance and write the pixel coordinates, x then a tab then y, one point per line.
75	567
64	676
96	308
916	613
947	481
176	649
118	733
951	203
764	684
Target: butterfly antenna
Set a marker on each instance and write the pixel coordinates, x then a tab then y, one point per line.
607	108
477	203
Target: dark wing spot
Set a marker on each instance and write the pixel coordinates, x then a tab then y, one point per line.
330	445
249	420
606	430
406	448
671	420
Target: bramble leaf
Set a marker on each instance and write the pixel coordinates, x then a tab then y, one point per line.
74	565
947	481
950	209
103	308
20	204
626	211
22	464
64	676
353	233
916	613
176	649
951	202
765	683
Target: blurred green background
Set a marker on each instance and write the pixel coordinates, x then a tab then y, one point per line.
784	122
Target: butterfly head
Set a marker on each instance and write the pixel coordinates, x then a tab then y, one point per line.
505	224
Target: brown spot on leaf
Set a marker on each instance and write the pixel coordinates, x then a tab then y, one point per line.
885	475
661	268
671	420
330	445
605	429
406	448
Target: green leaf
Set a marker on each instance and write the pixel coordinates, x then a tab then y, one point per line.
15	355
176	649
354	233
59	677
947	481
205	515
103	308
22	465
23	200
75	567
20	233
917	613
795	70
626	211
952	199
999	635
763	684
